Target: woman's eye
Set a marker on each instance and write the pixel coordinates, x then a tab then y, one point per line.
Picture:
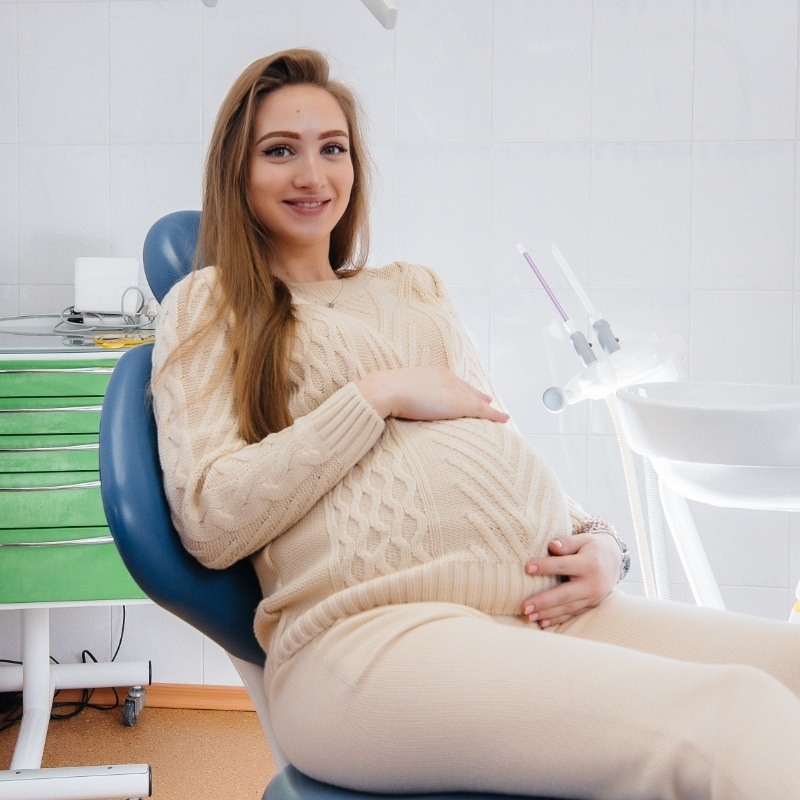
333	149
278	151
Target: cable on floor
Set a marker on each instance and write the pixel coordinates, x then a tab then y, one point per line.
11	702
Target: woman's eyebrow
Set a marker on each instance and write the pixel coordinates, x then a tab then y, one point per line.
278	135
294	135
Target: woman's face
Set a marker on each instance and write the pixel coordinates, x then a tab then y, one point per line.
300	173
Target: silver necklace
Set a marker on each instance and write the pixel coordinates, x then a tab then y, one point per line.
332	303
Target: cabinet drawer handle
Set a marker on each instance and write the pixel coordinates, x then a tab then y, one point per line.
61	371
70	447
88	485
48	410
64	543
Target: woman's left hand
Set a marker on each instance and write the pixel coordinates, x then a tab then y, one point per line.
589	564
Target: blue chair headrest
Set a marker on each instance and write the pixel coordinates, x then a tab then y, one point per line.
220	603
169	249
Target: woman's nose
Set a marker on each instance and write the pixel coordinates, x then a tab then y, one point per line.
310	172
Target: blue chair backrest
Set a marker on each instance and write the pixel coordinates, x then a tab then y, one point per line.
169	249
220	603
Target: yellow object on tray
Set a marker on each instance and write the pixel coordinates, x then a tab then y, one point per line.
118	341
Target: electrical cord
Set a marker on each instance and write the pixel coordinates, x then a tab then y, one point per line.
110	331
10	704
72	321
13	705
90	321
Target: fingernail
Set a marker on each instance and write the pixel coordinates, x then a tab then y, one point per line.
528	610
557	543
544	623
531	568
533	617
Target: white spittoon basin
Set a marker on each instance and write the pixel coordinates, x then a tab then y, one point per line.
725	444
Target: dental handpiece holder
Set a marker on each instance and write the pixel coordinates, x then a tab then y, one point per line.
658	357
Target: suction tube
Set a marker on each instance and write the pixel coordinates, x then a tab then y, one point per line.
634	502
658	532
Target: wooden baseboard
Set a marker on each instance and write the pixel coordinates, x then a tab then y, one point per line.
175	695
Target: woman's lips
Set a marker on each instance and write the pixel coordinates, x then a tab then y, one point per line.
308	207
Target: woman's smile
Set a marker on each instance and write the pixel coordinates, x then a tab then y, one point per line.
309	207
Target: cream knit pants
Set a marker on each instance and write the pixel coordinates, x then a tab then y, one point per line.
634	700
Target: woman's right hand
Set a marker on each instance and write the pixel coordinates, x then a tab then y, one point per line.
426	393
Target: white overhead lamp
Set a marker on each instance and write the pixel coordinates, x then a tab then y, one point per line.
384	11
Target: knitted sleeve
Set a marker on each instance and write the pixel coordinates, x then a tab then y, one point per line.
229	498
475	372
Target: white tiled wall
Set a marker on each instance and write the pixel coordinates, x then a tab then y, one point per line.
655	142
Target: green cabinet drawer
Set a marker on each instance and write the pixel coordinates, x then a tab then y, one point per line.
62	565
12	443
63	458
32	417
44	440
50	402
50	500
54	378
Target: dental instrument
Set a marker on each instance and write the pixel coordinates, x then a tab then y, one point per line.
600	325
579	341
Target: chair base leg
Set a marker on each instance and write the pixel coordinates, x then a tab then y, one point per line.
77	783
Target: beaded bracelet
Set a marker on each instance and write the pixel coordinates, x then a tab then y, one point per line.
600	525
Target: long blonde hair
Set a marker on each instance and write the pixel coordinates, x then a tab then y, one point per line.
232	237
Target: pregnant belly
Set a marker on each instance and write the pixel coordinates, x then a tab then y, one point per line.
482	487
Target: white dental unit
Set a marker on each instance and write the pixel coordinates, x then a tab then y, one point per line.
730	445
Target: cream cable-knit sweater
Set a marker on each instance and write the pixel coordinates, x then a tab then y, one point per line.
343	511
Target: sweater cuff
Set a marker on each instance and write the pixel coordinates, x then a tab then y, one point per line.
349	426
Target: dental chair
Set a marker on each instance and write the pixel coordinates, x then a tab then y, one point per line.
219	603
